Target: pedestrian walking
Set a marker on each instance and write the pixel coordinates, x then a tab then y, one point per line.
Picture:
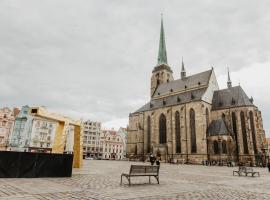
158	160
152	159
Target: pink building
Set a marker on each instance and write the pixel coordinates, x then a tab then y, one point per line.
7	118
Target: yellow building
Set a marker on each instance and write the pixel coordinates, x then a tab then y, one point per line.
37	130
61	134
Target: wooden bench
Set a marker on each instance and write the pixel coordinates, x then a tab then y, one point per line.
246	171
142	170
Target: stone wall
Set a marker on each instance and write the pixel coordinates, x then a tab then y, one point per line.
137	131
259	132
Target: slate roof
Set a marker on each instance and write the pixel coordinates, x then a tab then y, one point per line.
217	127
182	84
173	100
230	97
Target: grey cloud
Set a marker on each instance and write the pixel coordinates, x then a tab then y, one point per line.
93	59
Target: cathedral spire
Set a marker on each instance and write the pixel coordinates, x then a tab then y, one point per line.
183	71
162	54
229	82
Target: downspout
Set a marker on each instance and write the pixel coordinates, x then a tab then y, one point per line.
143	137
172	133
186	133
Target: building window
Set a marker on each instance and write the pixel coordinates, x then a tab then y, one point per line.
223	117
177	132
234	126
216	149
192	131
148	134
251	119
207	125
162	129
244	132
224	147
207	117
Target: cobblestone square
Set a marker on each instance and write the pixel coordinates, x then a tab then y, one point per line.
99	179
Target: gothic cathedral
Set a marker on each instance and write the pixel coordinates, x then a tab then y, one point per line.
191	120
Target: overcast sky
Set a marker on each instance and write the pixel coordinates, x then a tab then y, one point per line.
93	59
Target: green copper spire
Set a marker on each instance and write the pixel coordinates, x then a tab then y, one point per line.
183	71
229	82
162	54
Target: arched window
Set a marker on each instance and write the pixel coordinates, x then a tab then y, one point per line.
223	117
177	132
224	147
244	132
215	146
192	131
251	119
207	120
234	126
148	134
162	129
207	117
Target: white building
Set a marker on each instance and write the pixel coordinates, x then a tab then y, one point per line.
7	118
37	132
113	145
42	134
91	139
69	138
123	133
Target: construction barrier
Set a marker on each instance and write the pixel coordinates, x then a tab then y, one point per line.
34	165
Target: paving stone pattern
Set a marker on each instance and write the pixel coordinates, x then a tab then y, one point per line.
100	179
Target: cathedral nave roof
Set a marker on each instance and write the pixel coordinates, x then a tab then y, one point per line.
196	80
176	99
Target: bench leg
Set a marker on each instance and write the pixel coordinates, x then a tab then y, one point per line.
128	178
157	179
149	179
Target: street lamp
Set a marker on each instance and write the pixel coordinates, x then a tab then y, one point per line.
207	147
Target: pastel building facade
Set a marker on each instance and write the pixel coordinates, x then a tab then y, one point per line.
37	130
91	139
123	133
7	118
112	144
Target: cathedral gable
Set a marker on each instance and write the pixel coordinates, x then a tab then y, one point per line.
230	97
193	82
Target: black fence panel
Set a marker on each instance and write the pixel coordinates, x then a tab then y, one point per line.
26	164
34	165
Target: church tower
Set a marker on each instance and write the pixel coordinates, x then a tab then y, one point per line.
162	73
229	82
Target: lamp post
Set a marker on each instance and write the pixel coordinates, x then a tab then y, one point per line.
207	147
186	150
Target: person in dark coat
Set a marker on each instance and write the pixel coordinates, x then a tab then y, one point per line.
152	159
158	161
